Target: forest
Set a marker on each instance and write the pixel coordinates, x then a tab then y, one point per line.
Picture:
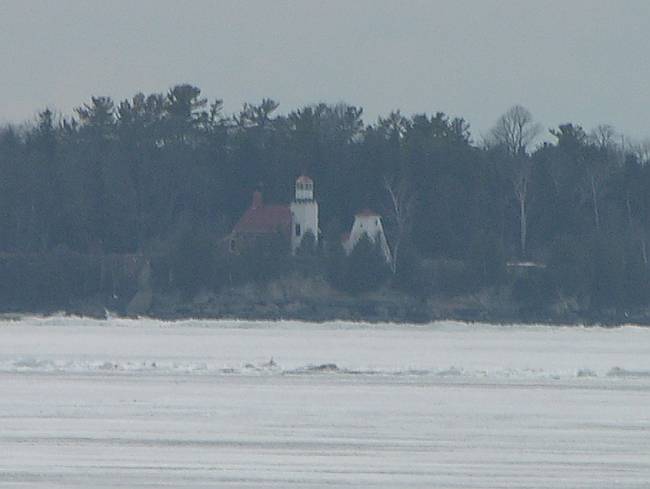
555	217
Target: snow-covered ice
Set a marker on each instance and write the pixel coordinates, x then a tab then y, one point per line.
144	403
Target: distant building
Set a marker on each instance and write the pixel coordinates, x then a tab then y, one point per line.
304	213
294	221
260	221
369	223
289	222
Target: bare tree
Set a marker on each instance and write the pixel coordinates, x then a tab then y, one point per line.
641	150
515	130
604	137
517	171
594	182
402	199
520	180
597	169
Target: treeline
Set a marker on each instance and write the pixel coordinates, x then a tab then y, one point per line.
146	174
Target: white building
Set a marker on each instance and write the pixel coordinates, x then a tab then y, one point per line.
369	223
304	212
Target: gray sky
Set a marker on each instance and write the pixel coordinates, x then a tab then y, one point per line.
584	61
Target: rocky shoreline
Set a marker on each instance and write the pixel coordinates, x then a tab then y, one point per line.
366	311
314	301
375	308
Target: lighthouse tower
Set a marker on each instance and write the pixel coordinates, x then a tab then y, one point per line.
304	212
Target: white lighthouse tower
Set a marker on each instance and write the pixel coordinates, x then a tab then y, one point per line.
304	212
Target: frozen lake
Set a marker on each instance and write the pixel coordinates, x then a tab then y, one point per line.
98	404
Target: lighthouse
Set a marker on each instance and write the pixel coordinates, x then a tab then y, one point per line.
304	212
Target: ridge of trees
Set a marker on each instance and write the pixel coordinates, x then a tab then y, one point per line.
125	177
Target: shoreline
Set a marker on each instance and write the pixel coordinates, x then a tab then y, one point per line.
324	315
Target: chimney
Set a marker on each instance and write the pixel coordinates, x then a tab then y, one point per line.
257	200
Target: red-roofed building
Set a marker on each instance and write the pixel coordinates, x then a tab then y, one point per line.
263	219
288	222
292	222
260	221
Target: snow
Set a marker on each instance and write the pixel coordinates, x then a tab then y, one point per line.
144	403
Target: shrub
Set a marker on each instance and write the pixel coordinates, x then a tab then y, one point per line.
192	262
266	259
569	266
412	274
534	290
487	261
365	269
307	245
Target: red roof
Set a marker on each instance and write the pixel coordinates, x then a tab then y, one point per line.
304	179
266	219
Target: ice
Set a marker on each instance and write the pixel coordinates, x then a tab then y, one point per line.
146	403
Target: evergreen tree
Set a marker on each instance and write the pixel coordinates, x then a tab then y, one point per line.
365	268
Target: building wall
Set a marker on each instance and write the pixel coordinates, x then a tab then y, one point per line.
238	243
304	191
305	215
372	226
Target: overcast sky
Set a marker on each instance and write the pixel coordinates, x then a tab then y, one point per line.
585	61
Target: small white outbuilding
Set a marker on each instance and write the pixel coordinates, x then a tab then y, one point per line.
369	223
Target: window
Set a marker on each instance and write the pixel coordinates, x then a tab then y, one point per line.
298	230
232	245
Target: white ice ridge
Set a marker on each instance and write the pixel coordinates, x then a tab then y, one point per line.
169	367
